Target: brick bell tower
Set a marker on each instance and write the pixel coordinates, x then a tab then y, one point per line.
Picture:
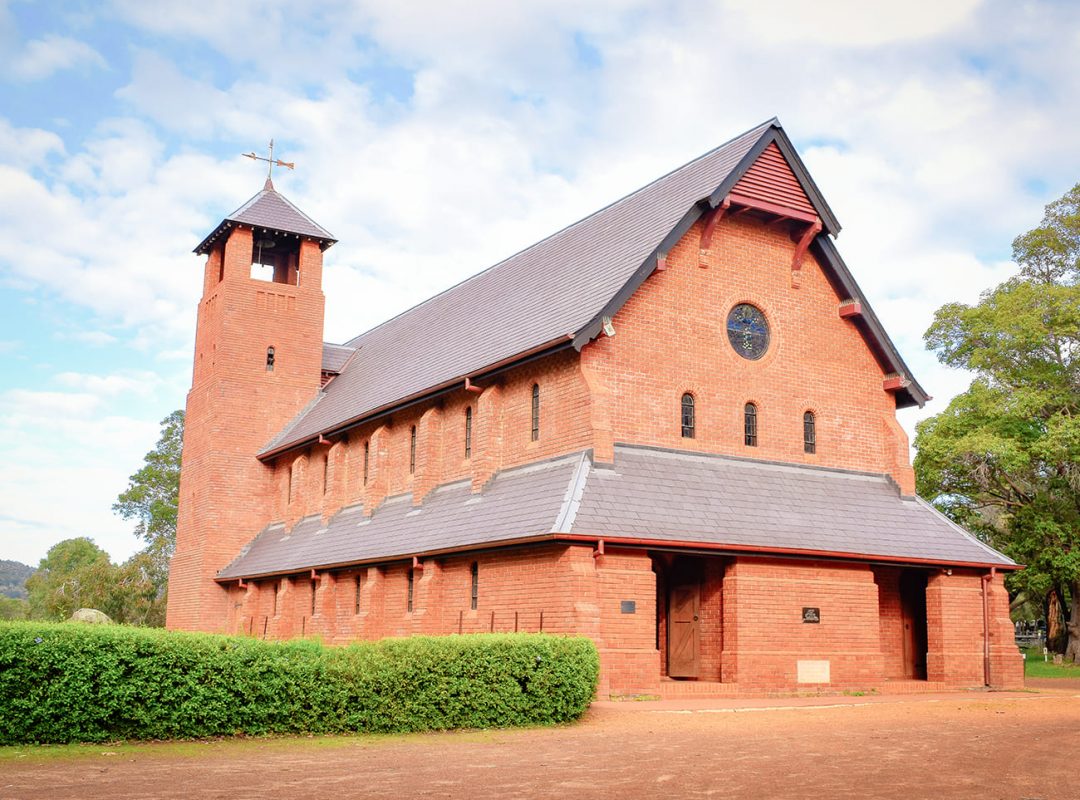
258	358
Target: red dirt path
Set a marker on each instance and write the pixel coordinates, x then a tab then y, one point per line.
974	745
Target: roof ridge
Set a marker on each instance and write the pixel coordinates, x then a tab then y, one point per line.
772	122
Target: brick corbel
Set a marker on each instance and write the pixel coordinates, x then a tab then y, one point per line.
600	401
487	436
429	449
378	469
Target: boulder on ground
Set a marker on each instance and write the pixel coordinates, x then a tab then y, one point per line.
91	615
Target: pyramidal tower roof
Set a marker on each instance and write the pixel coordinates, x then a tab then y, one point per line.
273	211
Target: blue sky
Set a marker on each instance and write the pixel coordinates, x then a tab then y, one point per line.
434	138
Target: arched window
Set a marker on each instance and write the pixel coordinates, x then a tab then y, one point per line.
468	432
809	433
288	493
408	598
536	412
359	588
412	450
314	595
367	453
277	591
270	353
326	472
688	416
474	592
750	425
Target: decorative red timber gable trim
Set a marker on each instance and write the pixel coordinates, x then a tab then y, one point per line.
850	308
812	230
894	382
771	183
712	219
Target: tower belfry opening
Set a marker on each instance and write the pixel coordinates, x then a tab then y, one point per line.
275	257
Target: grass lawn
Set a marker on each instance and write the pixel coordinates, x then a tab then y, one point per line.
1035	667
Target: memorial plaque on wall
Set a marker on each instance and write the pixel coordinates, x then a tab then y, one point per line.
811	614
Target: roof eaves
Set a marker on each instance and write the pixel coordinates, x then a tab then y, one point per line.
826	248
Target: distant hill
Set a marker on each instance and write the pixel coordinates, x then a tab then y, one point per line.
13	577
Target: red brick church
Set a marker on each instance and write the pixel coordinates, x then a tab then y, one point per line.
669	427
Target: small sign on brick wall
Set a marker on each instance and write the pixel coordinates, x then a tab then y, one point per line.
813	671
628	606
811	614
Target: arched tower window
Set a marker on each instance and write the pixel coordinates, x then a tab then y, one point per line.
809	433
326	472
536	412
688	416
750	425
468	432
367	460
270	354
412	450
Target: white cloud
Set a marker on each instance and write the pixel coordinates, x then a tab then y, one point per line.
849	23
936	132
43	57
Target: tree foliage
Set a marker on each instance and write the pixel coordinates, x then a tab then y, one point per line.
74	574
1004	457
151	495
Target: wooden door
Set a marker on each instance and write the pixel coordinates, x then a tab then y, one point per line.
684	608
913	616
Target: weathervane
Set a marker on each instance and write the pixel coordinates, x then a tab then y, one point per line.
271	161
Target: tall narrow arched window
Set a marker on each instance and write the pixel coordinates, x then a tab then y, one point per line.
358	588
367	454
288	492
270	355
326	472
688	416
809	433
474	591
412	450
409	596
750	425
314	595
536	412
468	432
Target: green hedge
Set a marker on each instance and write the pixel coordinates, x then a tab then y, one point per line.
76	683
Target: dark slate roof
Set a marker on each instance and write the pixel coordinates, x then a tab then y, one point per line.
273	211
335	357
556	291
663	496
676	496
516	504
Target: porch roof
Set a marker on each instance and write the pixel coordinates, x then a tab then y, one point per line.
647	497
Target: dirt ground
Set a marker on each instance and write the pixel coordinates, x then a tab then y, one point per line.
1019	746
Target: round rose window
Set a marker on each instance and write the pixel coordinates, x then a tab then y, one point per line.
748	331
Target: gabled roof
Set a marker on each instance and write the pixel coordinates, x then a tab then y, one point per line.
649	497
272	211
335	357
555	292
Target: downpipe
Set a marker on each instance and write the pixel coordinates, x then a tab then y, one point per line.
986	579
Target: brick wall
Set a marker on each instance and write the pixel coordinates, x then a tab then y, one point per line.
765	636
671	338
234	408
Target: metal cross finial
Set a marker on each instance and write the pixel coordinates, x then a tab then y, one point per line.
271	161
